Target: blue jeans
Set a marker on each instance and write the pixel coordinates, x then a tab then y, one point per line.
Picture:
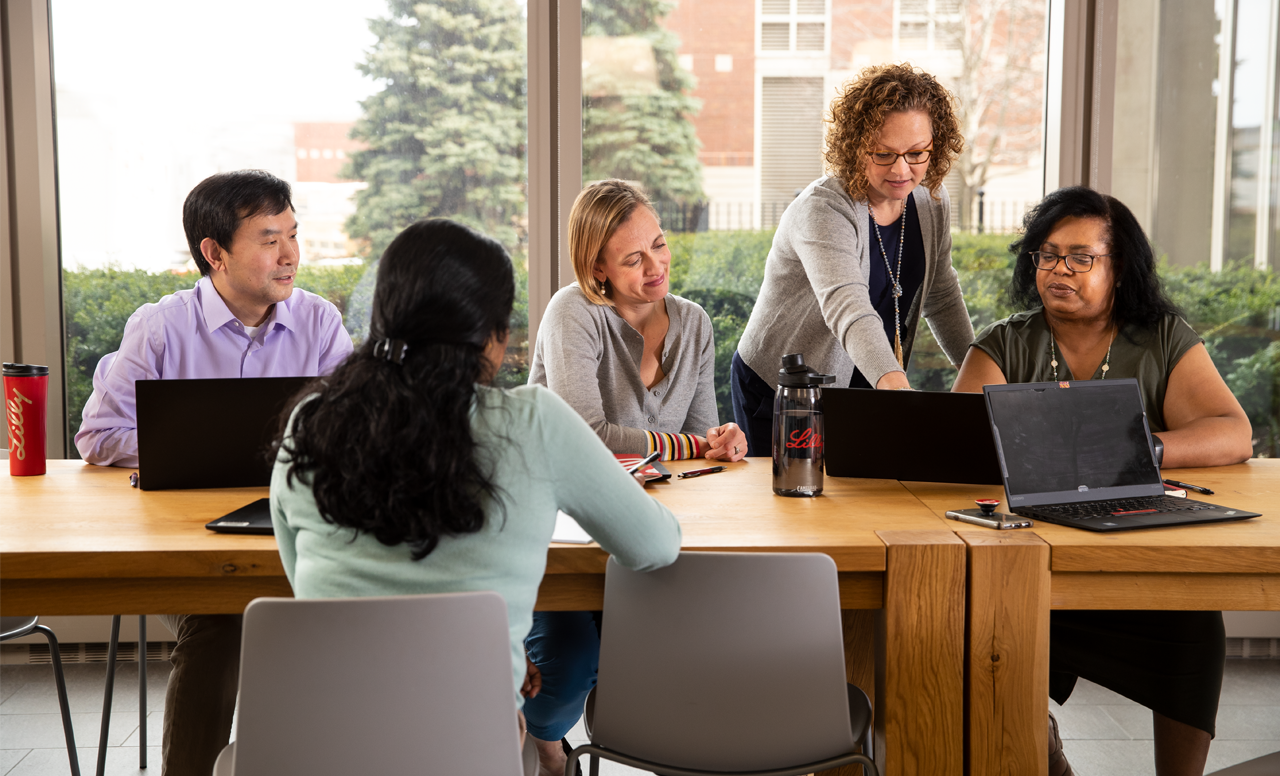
565	646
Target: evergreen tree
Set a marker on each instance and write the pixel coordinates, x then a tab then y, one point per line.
447	132
648	138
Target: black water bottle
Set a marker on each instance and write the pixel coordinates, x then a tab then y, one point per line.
798	429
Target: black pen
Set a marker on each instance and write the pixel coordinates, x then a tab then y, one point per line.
700	472
1188	486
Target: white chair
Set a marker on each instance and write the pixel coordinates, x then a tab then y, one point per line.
406	684
725	663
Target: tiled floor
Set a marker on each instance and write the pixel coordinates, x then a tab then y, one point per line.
1104	733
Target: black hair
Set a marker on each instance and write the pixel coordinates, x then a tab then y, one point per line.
1140	299
218	204
387	447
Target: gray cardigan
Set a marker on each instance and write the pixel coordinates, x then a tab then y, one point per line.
590	357
815	298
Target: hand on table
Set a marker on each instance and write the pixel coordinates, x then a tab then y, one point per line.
726	443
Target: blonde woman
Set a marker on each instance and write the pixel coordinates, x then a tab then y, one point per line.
637	363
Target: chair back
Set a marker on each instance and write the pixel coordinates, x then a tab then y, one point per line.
724	662
406	684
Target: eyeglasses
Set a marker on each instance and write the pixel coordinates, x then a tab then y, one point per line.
1076	262
889	158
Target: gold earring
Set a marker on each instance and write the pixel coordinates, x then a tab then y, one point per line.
602	288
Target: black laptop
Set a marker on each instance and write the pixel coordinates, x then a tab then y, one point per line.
917	436
209	433
1079	453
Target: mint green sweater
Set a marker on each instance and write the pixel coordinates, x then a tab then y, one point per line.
547	458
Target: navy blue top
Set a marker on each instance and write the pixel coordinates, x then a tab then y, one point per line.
912	277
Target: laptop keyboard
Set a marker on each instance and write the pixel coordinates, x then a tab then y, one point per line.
1118	507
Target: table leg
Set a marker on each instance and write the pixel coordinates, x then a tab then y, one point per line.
919	699
1007	681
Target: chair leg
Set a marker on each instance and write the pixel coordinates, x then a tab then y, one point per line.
62	699
106	696
595	765
867	740
142	691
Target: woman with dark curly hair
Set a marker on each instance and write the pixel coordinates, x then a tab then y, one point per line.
861	253
1093	307
406	472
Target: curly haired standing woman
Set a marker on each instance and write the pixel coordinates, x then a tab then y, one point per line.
863	252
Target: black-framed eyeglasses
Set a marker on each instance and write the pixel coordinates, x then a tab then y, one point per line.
1076	262
889	158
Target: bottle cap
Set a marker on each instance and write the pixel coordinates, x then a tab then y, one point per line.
795	374
24	370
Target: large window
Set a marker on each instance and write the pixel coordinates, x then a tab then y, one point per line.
378	113
382	111
730	121
1195	157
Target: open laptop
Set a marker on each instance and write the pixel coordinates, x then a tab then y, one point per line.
209	433
1079	453
924	436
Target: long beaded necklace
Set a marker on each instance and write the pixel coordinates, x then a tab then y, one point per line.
897	286
1106	362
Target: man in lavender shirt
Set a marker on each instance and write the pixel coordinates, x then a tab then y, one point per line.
244	318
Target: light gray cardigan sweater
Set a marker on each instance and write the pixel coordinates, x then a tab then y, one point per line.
815	298
590	356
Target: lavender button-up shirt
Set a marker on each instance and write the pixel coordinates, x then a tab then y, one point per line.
192	334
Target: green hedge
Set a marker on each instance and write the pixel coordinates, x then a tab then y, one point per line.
1234	310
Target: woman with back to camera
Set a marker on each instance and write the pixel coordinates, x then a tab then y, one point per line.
638	363
863	252
1085	278
406	472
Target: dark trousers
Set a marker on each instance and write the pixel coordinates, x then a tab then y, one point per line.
201	697
752	407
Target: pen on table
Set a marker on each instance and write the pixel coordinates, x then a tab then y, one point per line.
700	472
648	460
1189	486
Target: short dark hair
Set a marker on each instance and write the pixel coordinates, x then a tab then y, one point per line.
217	205
1139	296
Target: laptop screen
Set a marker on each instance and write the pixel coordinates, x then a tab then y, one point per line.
1077	441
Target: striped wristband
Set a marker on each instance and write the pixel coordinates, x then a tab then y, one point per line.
674	447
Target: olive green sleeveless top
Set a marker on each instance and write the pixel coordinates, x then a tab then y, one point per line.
1020	347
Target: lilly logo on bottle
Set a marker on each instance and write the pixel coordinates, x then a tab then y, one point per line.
804	439
15	415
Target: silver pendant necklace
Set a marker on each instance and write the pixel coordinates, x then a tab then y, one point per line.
1106	362
894	278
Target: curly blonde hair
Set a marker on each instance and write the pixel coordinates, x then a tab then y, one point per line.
859	113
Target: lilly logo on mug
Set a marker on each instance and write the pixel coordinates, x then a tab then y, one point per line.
17	437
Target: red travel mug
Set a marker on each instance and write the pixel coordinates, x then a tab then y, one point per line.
26	399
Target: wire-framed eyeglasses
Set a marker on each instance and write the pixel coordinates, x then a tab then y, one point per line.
889	158
1076	262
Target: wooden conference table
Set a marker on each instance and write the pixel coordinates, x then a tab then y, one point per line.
80	541
1016	577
